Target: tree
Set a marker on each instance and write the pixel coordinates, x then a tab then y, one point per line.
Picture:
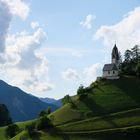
30	129
135	52
127	55
5	118
42	113
66	99
138	68
80	90
43	123
12	130
48	110
120	58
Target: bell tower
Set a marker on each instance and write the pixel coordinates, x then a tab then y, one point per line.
115	55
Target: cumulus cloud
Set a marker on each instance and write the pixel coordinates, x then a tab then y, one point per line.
93	71
88	21
34	25
21	62
5	18
126	33
70	74
17	7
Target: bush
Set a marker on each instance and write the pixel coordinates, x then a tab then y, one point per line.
30	129
66	99
48	110
42	113
12	130
45	112
43	123
80	90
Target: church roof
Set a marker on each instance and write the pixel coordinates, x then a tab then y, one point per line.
109	67
115	53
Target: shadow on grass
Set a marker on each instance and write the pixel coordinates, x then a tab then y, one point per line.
130	86
35	136
97	110
56	132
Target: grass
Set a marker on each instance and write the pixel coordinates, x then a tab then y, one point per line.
115	120
110	108
2	133
109	96
65	114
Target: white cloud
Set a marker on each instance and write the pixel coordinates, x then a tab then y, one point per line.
21	62
5	18
17	7
126	33
34	25
92	72
70	74
88	21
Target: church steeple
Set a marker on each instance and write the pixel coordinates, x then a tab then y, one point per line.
115	55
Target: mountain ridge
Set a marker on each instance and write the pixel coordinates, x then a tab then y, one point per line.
21	105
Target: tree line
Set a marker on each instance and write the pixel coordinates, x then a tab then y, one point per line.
131	63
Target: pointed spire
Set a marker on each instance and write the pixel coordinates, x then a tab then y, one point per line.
115	54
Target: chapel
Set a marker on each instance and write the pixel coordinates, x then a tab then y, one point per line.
111	71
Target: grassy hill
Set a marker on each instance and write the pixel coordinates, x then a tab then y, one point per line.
110	110
108	96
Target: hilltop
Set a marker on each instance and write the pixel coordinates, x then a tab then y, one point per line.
105	96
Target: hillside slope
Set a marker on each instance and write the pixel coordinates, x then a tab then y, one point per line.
108	96
21	105
110	110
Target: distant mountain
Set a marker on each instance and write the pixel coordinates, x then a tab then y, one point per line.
52	101
22	106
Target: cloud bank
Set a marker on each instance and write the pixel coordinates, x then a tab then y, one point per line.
21	62
126	33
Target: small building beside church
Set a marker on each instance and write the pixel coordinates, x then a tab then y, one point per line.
111	71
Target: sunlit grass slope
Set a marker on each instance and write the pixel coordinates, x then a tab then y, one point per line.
109	96
110	107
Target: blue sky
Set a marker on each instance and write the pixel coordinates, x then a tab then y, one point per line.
51	46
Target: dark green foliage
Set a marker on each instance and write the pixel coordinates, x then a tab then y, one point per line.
48	110
5	118
43	123
82	90
45	112
135	52
138	68
42	113
131	63
127	55
66	99
82	96
12	130
30	129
